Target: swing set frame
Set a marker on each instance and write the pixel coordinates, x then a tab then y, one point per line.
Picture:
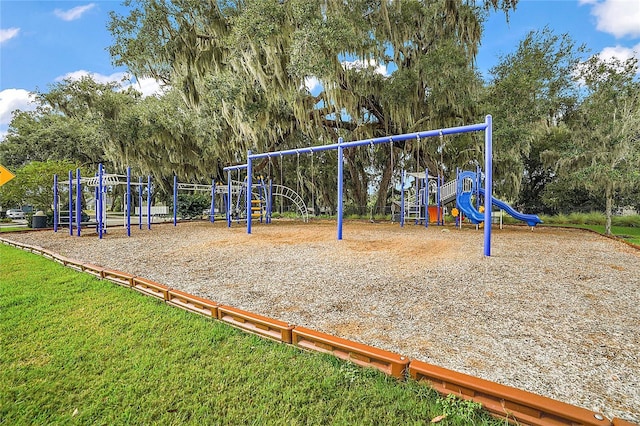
485	127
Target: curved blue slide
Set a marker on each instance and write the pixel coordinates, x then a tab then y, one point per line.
530	219
465	204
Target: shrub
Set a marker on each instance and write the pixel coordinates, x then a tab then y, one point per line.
192	205
629	221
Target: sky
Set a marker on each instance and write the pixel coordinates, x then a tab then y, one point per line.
43	42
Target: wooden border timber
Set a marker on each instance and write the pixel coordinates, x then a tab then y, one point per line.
358	353
504	401
28	247
121	278
619	422
48	254
257	324
72	263
192	303
150	288
36	249
60	259
95	270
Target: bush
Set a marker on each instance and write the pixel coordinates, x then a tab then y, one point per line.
192	205
592	218
629	221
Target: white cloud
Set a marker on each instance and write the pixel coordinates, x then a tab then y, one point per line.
312	84
75	13
8	34
13	99
620	52
148	87
360	65
117	77
617	17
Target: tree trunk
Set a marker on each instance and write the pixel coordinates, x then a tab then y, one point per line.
609	203
357	181
383	190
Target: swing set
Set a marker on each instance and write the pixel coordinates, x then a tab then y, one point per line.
340	146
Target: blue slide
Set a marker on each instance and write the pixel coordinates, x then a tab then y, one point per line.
466	206
530	219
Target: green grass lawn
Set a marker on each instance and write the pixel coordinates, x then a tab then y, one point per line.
630	234
77	350
12	228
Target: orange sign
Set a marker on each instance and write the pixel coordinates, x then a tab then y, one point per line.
5	175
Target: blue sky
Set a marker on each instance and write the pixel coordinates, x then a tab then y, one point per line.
42	42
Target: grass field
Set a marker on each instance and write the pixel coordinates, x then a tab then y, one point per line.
77	350
11	228
630	234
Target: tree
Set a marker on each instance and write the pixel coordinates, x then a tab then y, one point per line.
75	120
242	66
603	155
33	184
530	95
44	135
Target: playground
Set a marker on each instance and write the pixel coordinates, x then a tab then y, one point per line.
553	311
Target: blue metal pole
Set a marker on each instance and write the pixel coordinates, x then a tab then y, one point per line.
100	201
488	183
128	201
149	202
402	180
386	139
213	201
439	182
95	204
78	203
270	203
458	188
426	197
55	203
249	185
340	186
478	181
175	200
140	202
70	203
229	198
